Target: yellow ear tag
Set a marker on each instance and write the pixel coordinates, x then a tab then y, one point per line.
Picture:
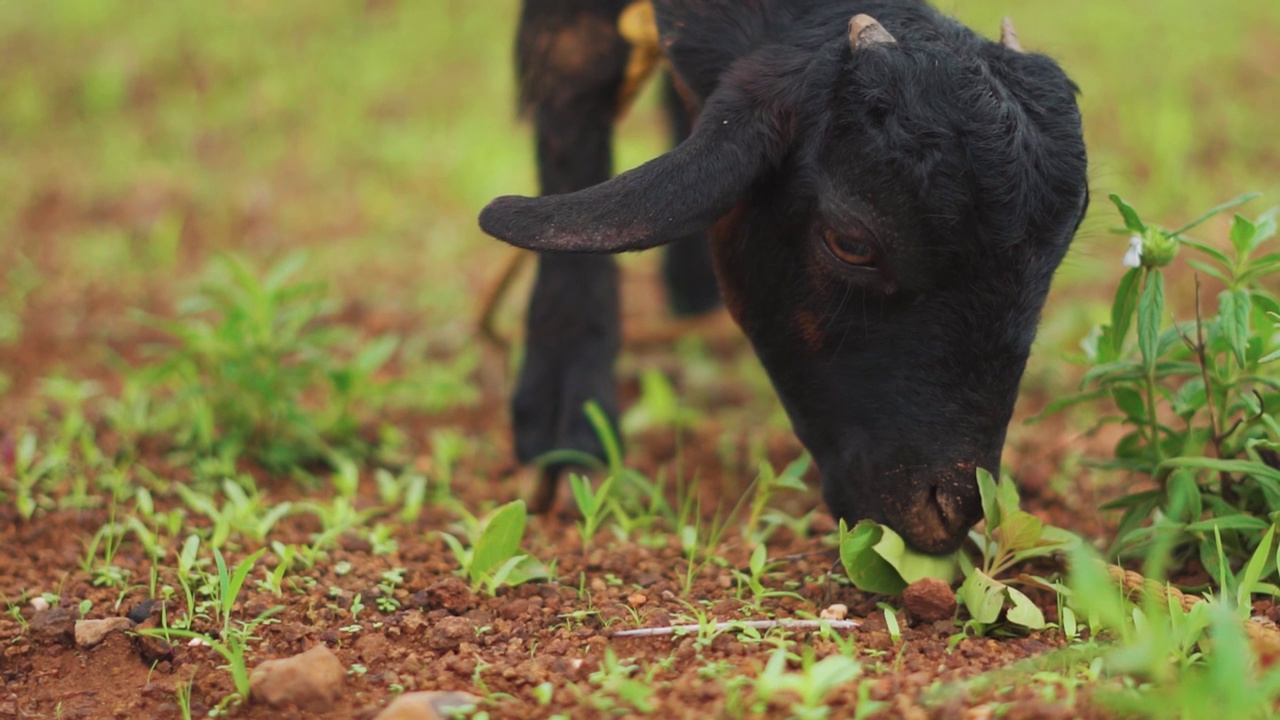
639	27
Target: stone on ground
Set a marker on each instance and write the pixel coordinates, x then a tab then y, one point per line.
91	632
427	706
310	681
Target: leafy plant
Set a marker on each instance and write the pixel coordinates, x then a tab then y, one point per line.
1192	663
231	644
592	505
1197	394
494	559
811	684
255	369
1009	537
757	566
617	683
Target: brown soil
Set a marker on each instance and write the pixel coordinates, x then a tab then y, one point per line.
444	636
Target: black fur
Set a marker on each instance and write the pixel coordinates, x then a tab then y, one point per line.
959	162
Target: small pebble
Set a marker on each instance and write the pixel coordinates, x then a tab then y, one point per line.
39	604
310	681
636	599
428	706
91	632
838	611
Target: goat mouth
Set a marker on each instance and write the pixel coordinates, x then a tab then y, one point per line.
935	519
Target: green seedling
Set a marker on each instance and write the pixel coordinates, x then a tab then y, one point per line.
381	541
495	560
757	567
391	580
891	622
1009	536
229	583
273	580
408	490
108	537
243	512
812	683
768	484
617	683
231	644
594	506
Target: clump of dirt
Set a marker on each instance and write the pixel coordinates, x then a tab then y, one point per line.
929	600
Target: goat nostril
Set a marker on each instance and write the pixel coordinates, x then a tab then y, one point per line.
953	515
945	506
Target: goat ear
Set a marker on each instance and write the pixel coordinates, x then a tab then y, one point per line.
684	191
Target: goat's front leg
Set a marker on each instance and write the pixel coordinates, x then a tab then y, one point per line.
687	270
571	70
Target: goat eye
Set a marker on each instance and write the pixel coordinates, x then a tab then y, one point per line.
851	251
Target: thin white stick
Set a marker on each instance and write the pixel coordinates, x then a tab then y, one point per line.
738	625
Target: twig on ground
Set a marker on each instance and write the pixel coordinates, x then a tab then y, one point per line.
741	625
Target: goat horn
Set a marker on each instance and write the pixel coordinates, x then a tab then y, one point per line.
865	31
1009	36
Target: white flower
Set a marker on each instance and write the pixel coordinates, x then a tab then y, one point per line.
1133	258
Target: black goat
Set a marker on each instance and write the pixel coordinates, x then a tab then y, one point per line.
888	195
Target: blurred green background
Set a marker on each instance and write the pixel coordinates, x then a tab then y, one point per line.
138	136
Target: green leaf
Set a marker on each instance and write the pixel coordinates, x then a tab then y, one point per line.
1246	523
1211	271
1122	309
518	571
1150	316
1020	530
500	539
1052	540
759	557
1257	470
583	496
1209	250
608	438
866	568
1024	612
1189	398
1228	205
990	499
376	354
237	581
1130	402
460	552
983	596
1242	232
1253	572
1131	219
1008	500
1184	501
912	565
1233	316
